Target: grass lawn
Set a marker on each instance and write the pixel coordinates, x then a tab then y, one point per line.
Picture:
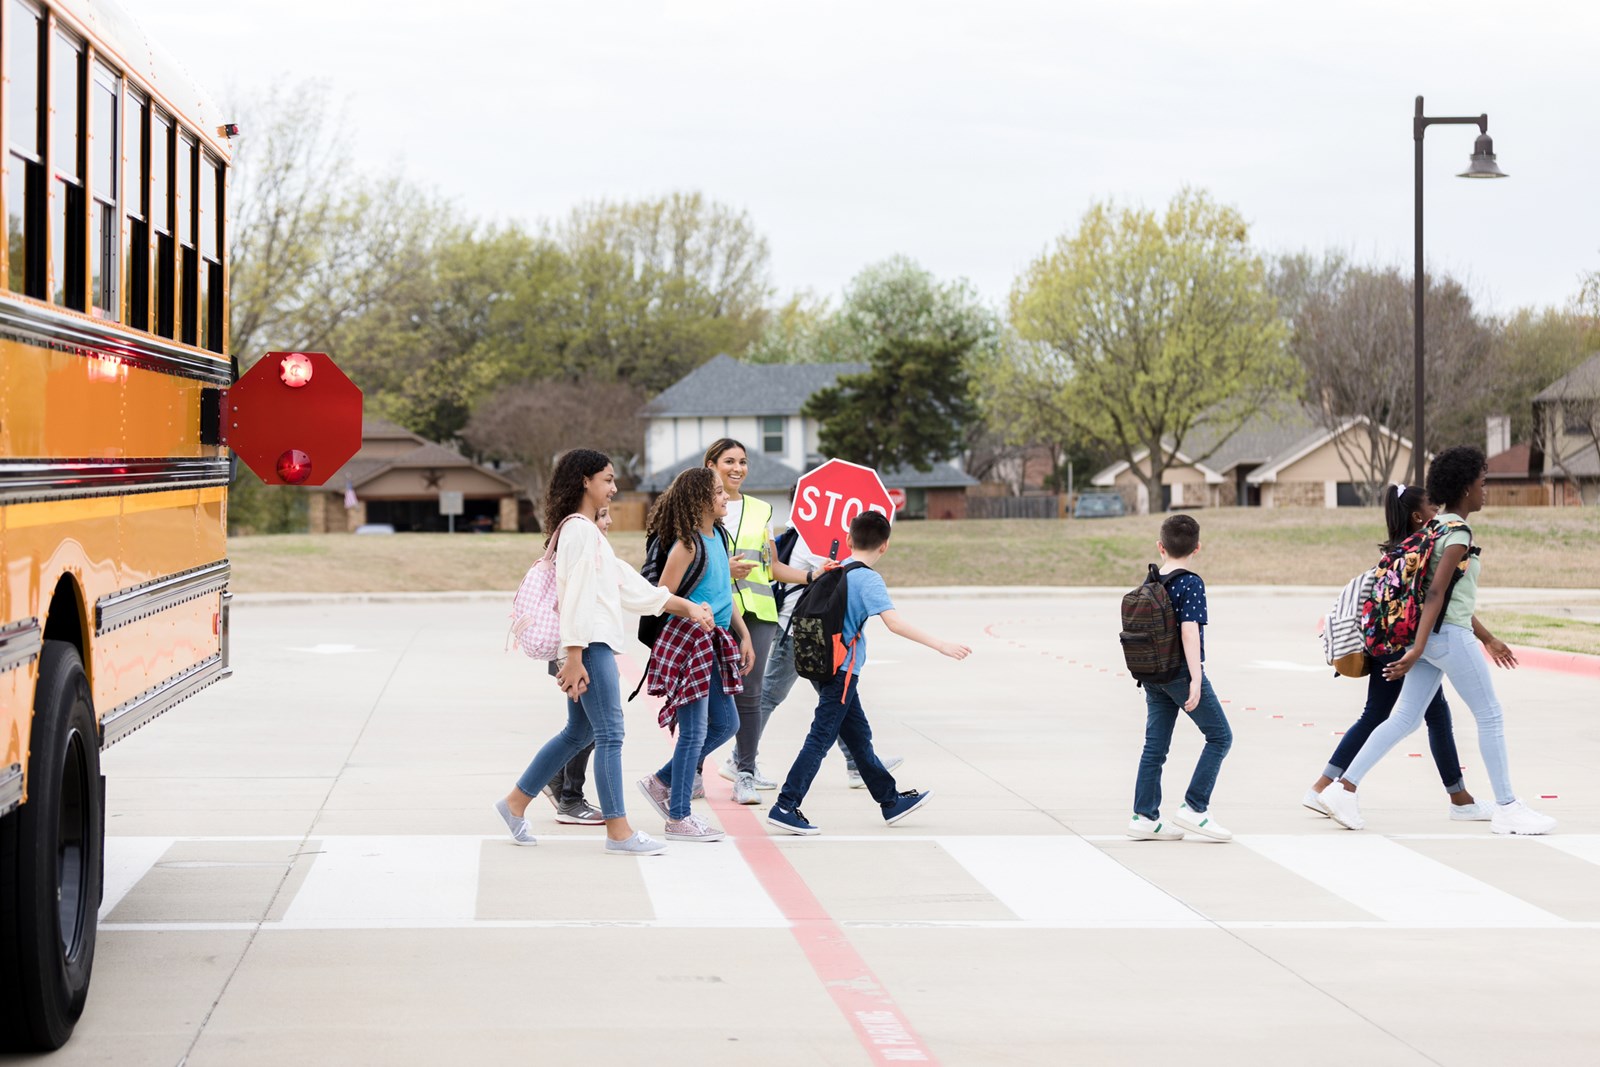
1539	547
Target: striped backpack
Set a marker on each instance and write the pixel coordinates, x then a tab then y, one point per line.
1342	644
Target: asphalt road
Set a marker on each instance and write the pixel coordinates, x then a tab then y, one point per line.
304	866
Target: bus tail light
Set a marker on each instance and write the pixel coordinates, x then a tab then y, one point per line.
294	466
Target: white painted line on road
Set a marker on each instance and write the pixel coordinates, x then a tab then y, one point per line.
1393	882
1583	846
694	881
368	878
128	859
1064	879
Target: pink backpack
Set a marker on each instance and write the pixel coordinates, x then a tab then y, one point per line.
536	609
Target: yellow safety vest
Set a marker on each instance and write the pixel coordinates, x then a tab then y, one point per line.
753	593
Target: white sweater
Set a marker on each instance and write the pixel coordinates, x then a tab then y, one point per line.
595	588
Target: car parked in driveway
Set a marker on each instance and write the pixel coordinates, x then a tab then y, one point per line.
1099	506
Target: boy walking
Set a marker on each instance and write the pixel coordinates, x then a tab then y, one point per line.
839	715
1190	692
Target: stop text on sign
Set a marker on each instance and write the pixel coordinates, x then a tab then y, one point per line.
814	497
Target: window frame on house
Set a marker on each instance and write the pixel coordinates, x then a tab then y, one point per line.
766	425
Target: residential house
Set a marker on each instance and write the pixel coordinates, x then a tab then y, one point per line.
760	405
398	477
1511	479
1566	417
1281	457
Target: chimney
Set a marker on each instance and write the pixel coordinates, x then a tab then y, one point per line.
1499	437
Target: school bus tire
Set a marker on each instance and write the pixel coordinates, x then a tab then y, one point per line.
52	864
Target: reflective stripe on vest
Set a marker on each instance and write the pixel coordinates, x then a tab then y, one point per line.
753	592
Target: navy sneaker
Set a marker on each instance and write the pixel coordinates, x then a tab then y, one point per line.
903	805
792	820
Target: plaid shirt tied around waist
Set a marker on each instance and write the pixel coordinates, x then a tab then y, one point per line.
682	663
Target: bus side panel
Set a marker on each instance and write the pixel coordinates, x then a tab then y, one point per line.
90	402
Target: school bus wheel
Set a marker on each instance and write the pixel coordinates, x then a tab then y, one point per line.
52	863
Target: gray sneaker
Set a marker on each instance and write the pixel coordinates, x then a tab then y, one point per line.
516	824
656	792
640	844
853	776
744	790
699	790
692	828
763	783
580	813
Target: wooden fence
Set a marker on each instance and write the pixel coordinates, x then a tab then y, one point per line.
1516	496
1014	507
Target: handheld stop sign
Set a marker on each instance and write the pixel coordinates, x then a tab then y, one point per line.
828	498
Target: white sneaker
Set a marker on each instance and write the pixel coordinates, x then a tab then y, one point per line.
1143	829
762	781
1477	811
744	790
1343	808
640	844
728	770
1314	802
1517	818
1201	822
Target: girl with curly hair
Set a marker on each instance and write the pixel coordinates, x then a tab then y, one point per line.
688	516
594	589
1448	636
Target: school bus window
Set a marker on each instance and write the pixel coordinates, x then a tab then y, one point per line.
24	161
212	198
188	204
67	244
136	201
104	225
161	273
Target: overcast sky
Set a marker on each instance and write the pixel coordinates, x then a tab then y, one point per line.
965	135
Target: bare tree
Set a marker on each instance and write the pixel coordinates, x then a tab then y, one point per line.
1353	337
313	241
532	423
1567	428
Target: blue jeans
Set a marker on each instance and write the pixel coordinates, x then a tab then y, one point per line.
1455	654
703	727
777	682
594	717
1163	704
843	721
1381	697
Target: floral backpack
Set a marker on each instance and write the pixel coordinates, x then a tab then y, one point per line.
1392	612
536	608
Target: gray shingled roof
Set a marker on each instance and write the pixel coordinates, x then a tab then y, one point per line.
725	386
1273	431
771	477
1582	382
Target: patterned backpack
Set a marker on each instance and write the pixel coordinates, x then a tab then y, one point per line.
536	609
1152	640
1391	613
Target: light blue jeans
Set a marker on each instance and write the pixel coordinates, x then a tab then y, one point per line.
594	717
1455	654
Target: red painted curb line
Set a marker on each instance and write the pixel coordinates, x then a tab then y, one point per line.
885	1034
1544	659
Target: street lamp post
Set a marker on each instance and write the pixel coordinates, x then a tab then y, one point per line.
1482	166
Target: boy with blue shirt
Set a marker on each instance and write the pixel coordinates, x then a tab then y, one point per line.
1190	691
839	715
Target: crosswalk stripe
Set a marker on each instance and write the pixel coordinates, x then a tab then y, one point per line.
706	883
389	878
128	859
1065	880
1583	846
1394	882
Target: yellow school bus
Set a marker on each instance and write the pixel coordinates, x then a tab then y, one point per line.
113	480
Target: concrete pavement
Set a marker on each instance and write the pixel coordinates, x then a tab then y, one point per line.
303	863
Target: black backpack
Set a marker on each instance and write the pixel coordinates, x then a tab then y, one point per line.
655	561
1152	640
785	546
816	629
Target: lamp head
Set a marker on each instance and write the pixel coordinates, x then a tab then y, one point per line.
1483	164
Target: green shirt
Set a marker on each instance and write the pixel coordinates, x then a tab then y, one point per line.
1464	600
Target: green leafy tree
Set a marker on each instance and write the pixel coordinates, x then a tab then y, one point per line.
1164	325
